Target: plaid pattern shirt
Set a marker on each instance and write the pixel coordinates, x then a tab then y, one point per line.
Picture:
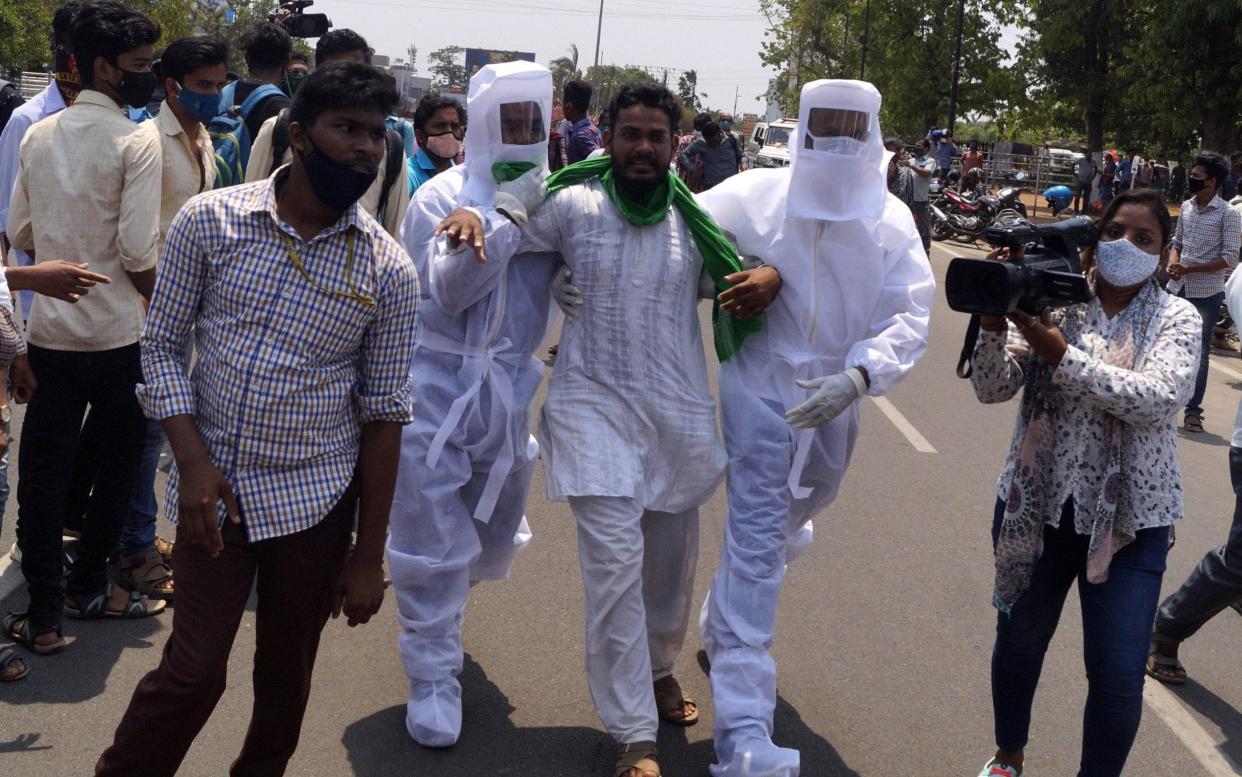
287	370
1202	237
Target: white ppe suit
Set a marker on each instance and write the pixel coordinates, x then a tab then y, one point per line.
467	458
628	435
857	292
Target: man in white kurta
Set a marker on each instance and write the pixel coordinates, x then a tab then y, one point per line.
628	431
467	458
851	318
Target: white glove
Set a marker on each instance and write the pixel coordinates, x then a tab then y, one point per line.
567	296
834	393
522	196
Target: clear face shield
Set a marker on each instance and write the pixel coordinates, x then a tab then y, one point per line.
521	124
837	131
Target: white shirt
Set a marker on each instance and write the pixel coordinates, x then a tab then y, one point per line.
39	107
629	412
260	166
88	190
189	166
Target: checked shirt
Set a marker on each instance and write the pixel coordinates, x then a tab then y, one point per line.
1205	236
286	371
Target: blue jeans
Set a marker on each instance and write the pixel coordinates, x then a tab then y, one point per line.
138	531
1117	618
1209	310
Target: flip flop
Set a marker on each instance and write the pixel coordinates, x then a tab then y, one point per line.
1162	667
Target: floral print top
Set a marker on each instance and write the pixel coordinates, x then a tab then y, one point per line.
1147	398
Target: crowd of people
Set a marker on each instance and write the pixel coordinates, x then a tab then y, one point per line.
331	317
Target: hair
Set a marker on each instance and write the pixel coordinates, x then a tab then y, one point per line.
1146	198
341	41
267	47
63	19
339	85
430	104
923	143
711	129
297	56
108	30
185	55
700	120
648	95
1215	165
578	94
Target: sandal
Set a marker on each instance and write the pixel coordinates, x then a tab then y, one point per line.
26	638
1165	669
165	549
137	606
7	656
148	573
1193	423
673	705
637	759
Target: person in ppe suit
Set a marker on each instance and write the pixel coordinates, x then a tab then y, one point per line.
850	320
466	460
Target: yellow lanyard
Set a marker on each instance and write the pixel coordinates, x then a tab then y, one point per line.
353	292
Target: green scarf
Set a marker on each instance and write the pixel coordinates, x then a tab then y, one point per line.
719	255
503	172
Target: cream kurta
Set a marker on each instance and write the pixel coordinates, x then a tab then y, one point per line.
628	411
189	166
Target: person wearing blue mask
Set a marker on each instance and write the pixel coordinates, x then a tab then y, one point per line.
194	72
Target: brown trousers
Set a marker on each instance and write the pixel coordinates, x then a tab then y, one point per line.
296	574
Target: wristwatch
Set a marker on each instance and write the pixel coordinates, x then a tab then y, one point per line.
6	414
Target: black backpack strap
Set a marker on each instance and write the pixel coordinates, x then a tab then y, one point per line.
280	140
964	367
395	149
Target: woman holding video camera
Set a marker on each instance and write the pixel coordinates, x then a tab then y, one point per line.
1091	485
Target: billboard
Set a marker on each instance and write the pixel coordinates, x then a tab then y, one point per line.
477	58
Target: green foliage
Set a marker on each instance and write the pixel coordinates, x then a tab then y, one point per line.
909	55
25	34
564	69
688	91
447	67
607	79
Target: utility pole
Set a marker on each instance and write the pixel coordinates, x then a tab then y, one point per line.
737	92
957	64
599	29
862	68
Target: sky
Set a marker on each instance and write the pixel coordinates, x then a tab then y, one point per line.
721	40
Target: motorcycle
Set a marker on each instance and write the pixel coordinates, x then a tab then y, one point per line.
963	218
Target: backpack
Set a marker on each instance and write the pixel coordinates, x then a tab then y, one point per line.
394	146
230	137
10	100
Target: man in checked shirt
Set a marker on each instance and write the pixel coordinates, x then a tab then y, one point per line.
303	312
1205	248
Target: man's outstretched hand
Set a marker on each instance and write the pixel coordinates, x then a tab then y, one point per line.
464	227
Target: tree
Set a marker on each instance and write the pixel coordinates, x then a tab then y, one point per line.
564	69
607	79
25	35
411	54
688	90
448	69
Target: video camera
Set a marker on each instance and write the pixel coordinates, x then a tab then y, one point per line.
1048	275
293	18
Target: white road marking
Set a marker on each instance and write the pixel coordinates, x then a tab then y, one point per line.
1170	709
1229	371
919	442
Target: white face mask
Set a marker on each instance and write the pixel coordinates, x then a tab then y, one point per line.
1124	264
839	146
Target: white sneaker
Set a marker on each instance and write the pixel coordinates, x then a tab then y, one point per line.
994	768
433	712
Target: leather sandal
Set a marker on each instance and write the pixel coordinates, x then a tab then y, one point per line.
637	759
148	573
674	705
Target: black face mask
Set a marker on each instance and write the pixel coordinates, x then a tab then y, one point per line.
136	88
336	185
1195	185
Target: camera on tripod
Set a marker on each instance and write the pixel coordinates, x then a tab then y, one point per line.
1047	275
293	18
